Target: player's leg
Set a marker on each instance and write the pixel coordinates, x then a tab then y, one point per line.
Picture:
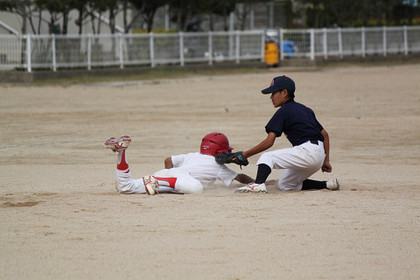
310	158
301	161
187	184
258	186
292	179
299	157
279	159
331	184
310	184
177	180
125	184
172	180
155	185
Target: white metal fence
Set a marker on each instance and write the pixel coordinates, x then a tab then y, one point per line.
86	51
342	42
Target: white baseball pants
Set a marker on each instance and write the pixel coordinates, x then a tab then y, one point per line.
184	182
300	161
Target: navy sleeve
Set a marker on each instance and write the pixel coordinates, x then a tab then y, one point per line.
317	122
276	123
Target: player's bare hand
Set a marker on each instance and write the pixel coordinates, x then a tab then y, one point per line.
326	167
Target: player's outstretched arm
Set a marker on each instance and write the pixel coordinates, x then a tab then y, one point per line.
264	145
244	179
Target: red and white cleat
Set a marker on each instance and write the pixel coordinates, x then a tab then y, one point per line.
117	145
151	185
255	188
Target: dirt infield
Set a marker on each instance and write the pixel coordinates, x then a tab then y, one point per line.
61	217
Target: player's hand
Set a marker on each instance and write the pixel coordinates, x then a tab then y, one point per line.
326	167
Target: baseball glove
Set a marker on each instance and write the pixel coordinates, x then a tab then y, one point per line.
237	158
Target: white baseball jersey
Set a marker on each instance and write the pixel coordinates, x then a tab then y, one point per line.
204	168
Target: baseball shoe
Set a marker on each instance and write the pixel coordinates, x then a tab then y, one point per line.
151	185
118	145
256	188
333	185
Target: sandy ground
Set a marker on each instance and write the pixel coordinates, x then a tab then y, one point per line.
61	217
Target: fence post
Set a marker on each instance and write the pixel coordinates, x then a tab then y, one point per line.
152	51
167	19
120	45
89	52
54	62
324	42
384	39
210	48
28	53
230	43
181	48
281	39
252	18
363	42
231	21
405	41
340	43
262	45
312	55
238	51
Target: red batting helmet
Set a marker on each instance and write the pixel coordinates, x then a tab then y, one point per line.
214	143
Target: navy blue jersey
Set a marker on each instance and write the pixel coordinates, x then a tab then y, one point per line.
297	122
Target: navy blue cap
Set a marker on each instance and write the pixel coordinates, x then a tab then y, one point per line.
279	83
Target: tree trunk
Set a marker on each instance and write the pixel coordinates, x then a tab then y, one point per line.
65	22
79	21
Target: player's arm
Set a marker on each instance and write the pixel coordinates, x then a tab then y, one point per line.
168	163
264	145
326	166
244	179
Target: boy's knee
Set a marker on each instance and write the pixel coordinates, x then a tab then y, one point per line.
266	159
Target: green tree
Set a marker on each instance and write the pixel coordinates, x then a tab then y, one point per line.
220	8
113	9
148	10
243	13
126	6
81	8
183	9
325	13
57	9
95	9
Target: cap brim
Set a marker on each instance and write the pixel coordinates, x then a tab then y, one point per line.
269	90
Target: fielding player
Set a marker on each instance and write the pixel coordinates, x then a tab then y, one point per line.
310	141
185	173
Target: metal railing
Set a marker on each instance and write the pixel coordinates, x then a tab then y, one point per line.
55	52
344	42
